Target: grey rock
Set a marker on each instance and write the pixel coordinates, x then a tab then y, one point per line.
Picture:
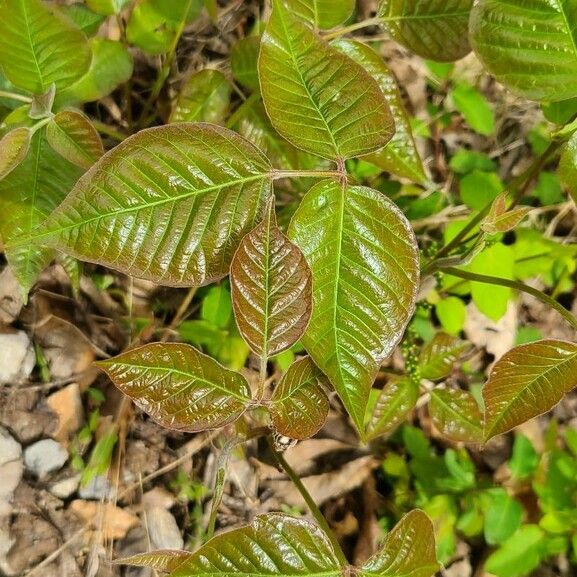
66	487
98	488
163	530
17	357
44	457
11	469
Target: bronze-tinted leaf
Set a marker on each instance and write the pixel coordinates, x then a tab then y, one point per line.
204	97
166	560
400	155
179	387
457	415
500	219
271	289
439	356
433	29
316	97
273	545
408	550
526	382
14	147
299	405
365	266
392	405
72	135
169	204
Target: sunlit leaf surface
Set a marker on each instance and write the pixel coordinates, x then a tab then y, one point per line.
457	415
323	13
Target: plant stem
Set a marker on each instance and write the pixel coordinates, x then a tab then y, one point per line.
519	186
261	377
276	174
352	28
323	524
14	96
517	285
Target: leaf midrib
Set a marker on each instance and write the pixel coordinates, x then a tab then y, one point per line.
32	45
514	400
136	208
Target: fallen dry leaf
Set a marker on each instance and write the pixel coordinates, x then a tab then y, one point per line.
114	522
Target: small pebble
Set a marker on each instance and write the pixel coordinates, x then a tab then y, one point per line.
45	457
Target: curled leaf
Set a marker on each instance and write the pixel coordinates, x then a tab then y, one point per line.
14	147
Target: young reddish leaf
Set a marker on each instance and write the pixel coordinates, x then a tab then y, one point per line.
39	47
274	545
526	382
501	220
72	135
204	97
27	195
530	47
400	156
169	204
14	147
439	356
323	14
391	407
457	415
179	387
166	560
408	550
434	30
317	98
299	405
365	266
271	289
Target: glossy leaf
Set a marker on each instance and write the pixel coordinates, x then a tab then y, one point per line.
14	147
500	219
244	61
433	29
111	65
440	355
169	204
299	405
273	545
271	289
72	135
317	98
27	195
526	382
323	14
179	387
531	47
204	97
365	266
391	407
457	415
568	167
400	155
408	550
38	47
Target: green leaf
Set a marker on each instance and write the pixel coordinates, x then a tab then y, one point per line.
439	356
568	167
433	30
474	108
531	47
299	405
456	414
149	29
466	161
217	306
83	18
176	11
244	61
111	65
390	407
72	135
408	550
364	260
480	188
14	147
179	387
524	459
400	155
519	555
27	195
39	47
526	382
169	204
204	97
106	7
497	260
451	313
271	289
323	14
317	98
